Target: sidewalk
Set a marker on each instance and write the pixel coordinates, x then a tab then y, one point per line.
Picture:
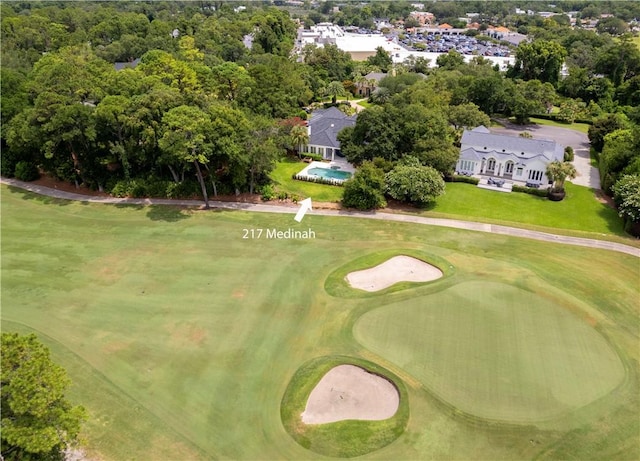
292	209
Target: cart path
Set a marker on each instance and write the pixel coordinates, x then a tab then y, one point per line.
292	209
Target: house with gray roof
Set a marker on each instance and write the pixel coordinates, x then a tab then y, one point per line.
127	64
508	157
367	87
324	126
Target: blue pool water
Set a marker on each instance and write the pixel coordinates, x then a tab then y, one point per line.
328	173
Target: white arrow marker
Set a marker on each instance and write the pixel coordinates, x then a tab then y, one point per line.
304	206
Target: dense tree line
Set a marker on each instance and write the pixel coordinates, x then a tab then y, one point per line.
67	111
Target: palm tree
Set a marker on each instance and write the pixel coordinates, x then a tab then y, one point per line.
559	172
334	89
299	137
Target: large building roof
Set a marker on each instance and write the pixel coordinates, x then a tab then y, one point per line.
325	125
483	141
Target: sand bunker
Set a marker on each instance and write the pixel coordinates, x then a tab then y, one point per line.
349	392
394	270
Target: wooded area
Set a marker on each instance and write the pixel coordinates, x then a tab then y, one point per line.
194	110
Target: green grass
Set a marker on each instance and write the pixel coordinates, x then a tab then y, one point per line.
181	337
581	127
579	211
507	355
364	103
282	178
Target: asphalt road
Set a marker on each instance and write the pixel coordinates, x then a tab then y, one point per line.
265	208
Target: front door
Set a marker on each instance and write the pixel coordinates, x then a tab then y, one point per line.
491	165
508	168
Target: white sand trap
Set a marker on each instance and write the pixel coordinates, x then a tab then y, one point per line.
349	392
394	270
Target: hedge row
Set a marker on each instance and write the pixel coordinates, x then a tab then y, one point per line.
318	180
531	190
140	188
462	178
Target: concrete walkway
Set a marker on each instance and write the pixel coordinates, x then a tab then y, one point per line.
292	209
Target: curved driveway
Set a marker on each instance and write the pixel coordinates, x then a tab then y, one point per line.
263	208
587	175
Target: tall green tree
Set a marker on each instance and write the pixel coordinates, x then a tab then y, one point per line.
559	172
299	137
365	191
185	139
382	60
335	89
626	194
37	421
275	32
409	181
540	60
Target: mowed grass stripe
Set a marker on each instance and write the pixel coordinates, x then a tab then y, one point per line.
495	351
224	323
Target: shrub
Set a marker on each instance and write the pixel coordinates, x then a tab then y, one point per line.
314	157
184	189
268	193
365	191
568	154
414	183
531	190
129	188
26	171
318	180
462	178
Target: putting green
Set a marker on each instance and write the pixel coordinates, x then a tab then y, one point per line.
495	351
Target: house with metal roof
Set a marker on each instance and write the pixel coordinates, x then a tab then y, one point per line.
507	157
324	126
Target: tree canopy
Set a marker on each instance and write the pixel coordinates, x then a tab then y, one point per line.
38	422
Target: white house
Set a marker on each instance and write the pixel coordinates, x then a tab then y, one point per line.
508	157
324	126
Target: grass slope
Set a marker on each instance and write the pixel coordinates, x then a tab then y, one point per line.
181	336
581	127
579	211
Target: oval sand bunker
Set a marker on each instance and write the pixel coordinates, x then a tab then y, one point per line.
349	392
392	271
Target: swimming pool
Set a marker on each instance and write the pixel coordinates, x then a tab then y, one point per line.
329	173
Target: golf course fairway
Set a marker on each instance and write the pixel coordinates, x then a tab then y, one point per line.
182	331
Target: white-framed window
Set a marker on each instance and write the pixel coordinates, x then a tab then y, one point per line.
491	164
312	149
321	150
535	175
467	165
519	171
508	167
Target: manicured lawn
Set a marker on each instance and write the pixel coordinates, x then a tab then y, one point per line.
582	127
282	177
364	103
507	355
579	211
181	336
